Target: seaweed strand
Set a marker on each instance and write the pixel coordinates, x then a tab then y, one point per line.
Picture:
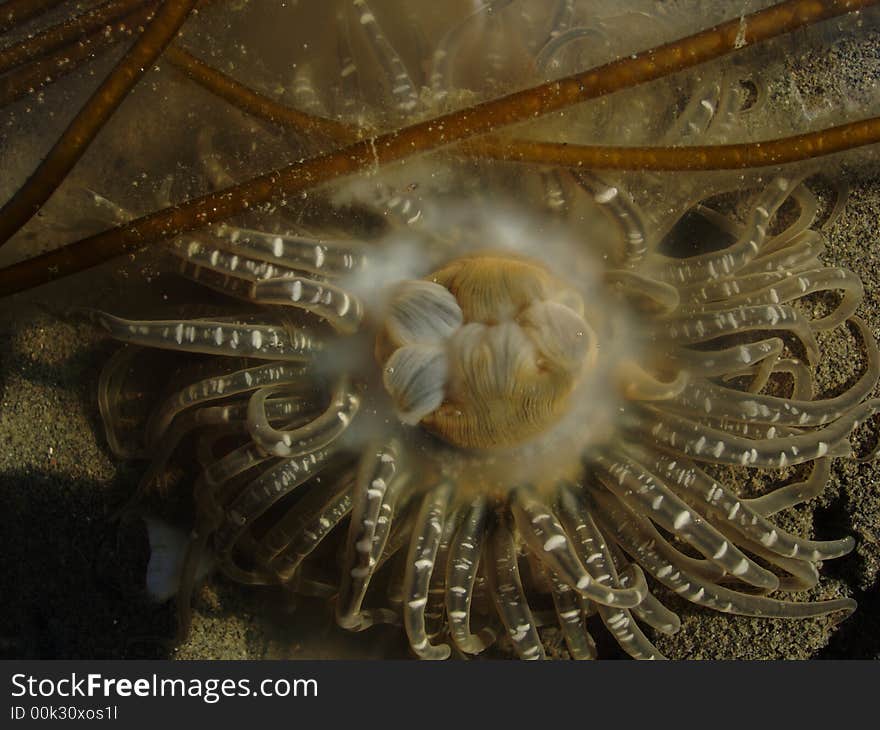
92	117
254	103
739	156
424	136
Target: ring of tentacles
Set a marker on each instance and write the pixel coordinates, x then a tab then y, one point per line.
479	422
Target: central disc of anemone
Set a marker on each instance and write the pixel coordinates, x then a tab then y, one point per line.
486	351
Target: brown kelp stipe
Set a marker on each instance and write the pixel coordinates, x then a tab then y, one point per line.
702	157
70	31
92	117
256	104
13	12
597	157
422	137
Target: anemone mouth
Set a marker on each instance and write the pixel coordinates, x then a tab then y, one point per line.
486	352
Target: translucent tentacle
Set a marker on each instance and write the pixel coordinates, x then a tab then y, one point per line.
220	386
703	327
266	490
709	363
782	288
808	205
200	252
661	297
550	543
732	259
802	253
379	483
419	567
219	471
571	621
195	551
793	494
638	538
342	310
322	257
618	620
623	627
842	191
563	17
704	443
403	89
638	384
639	489
349	99
110	385
290	409
461	573
802	378
555	197
293	538
435	610
697	116
653	613
650	611
553	47
704	397
800	574
623	211
213	337
305	95
316	434
710	496
510	599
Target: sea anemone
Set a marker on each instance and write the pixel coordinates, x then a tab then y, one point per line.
480	398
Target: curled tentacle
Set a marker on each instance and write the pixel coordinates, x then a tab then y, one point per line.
691	438
461	574
507	591
420	563
635	535
619	620
641	490
705	397
744	250
698	488
550	542
316	434
222	386
223	336
293	538
702	327
377	490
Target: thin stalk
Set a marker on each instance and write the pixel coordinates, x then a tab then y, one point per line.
254	103
425	136
740	156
